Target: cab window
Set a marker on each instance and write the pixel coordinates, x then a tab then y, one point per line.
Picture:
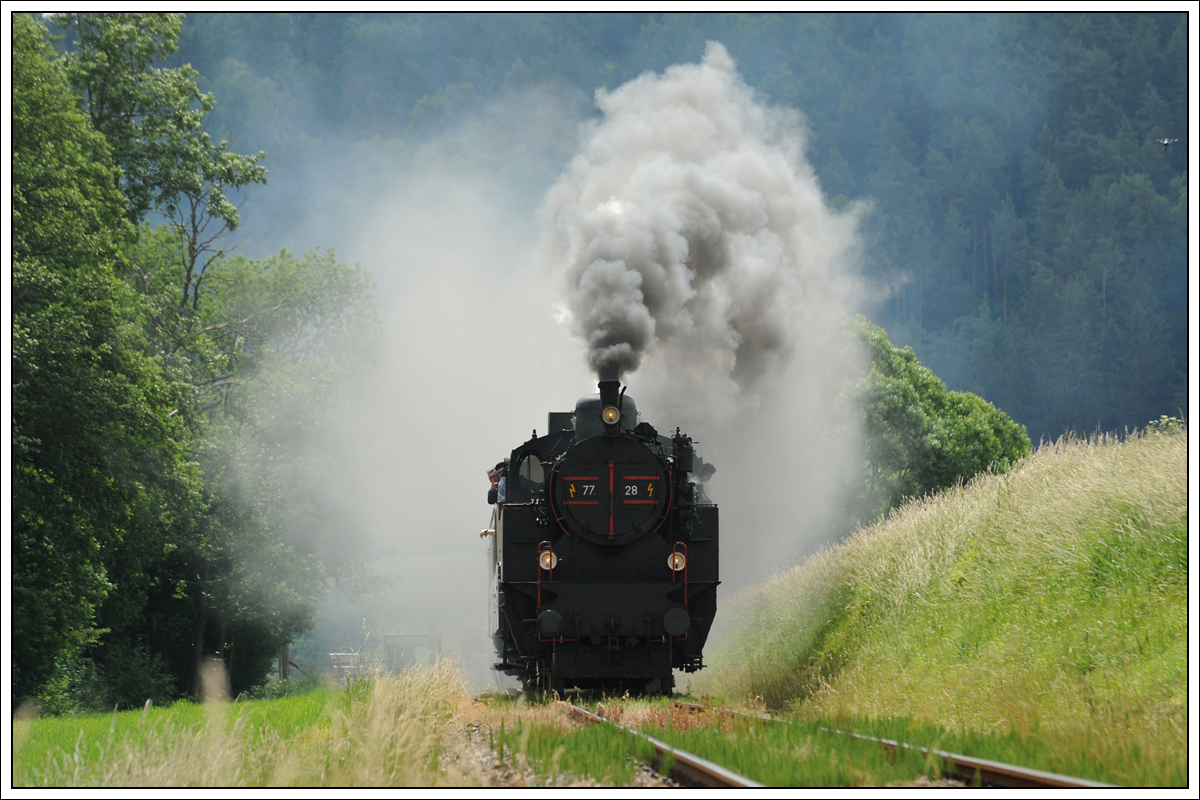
529	478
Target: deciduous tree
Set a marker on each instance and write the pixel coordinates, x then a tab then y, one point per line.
919	437
96	468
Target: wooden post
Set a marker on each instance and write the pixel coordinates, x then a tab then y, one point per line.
285	662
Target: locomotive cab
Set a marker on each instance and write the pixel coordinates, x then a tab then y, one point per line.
604	562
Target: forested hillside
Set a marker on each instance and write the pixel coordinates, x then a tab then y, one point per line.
1026	232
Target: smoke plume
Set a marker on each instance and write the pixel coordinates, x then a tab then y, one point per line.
694	234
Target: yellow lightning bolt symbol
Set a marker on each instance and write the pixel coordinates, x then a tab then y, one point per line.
571	486
650	490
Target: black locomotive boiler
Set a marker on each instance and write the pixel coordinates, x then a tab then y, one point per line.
604	554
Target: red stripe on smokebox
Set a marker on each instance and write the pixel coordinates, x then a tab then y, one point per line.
641	477
610	499
581	479
641	502
581	502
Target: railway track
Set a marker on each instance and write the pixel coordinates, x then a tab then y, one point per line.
965	768
686	769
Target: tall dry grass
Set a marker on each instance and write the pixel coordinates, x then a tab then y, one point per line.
381	730
1050	600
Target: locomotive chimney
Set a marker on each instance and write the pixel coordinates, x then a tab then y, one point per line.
610	406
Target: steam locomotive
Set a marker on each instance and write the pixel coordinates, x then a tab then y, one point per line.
604	553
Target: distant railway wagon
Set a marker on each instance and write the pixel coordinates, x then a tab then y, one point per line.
604	553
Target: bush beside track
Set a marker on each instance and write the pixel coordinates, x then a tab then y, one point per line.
1050	602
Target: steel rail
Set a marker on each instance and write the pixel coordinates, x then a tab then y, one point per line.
989	773
687	769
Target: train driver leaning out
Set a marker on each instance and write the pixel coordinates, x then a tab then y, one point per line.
496	475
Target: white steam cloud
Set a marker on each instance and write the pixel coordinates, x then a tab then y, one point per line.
696	245
699	252
695	237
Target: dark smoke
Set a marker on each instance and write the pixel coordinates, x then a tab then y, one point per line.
694	233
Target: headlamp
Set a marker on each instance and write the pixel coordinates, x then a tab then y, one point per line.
547	560
677	561
610	415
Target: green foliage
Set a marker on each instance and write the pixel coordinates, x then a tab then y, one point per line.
259	362
154	118
919	437
96	468
159	388
303	683
125	676
1165	424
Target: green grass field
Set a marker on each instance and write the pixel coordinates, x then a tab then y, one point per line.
379	731
1049	603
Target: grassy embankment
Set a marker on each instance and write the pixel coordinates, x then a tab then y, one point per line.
380	731
1046	606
